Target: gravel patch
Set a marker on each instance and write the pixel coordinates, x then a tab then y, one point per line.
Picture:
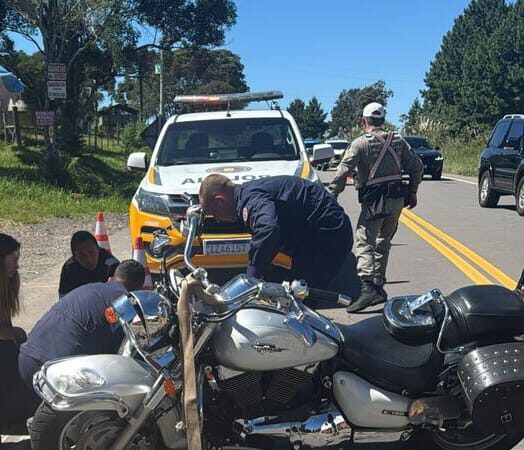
46	244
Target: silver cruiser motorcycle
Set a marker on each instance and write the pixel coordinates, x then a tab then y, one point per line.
441	372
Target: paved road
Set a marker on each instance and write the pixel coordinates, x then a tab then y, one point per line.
447	242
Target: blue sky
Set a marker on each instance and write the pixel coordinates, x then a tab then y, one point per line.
309	48
317	48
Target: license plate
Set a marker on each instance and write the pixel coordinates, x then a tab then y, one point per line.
226	247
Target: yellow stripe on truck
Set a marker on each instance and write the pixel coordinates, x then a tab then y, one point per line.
305	170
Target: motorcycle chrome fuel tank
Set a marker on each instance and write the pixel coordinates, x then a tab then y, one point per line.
259	339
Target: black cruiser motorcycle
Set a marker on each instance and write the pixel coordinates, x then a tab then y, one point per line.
441	372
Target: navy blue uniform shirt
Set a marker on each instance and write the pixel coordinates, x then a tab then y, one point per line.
285	212
76	325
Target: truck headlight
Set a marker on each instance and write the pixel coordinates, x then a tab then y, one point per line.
152	202
439	158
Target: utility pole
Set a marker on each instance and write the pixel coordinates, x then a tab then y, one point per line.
161	109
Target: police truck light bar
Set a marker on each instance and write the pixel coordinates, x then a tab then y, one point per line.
230	98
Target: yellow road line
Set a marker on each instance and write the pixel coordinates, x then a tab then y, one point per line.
489	268
472	273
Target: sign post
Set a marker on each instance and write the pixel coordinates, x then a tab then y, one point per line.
56	81
44	118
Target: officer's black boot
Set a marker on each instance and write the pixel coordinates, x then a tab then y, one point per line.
381	291
368	297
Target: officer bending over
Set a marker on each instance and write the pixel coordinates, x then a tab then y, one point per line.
76	324
284	213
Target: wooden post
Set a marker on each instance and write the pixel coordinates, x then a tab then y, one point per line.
96	132
18	137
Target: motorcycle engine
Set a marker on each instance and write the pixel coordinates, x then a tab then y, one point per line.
273	409
258	393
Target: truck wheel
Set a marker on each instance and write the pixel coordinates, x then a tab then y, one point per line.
488	198
519	197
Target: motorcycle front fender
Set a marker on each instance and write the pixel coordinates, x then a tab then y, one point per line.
94	383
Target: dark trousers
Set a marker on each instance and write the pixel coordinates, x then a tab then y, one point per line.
320	259
17	401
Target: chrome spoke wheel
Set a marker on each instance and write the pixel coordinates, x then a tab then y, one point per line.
521	197
484	188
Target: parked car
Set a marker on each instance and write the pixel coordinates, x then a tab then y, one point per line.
429	154
339	147
501	170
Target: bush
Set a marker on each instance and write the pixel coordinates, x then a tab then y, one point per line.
131	139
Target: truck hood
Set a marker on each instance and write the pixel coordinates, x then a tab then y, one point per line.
187	178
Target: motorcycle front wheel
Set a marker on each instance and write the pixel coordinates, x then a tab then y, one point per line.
466	439
98	430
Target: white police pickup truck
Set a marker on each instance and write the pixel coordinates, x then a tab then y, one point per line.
242	144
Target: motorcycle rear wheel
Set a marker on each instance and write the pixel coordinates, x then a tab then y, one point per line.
467	439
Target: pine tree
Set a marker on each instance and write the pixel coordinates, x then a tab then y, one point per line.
315	124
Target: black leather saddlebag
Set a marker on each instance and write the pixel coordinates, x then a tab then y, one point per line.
483	314
492	380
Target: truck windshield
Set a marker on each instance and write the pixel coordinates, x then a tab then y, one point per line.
228	140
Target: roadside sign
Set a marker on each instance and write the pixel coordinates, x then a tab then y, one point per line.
56	68
158	69
44	118
56	89
56	76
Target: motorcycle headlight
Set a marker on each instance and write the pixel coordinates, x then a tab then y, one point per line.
152	202
78	381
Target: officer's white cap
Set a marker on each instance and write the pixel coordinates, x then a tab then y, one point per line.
374	110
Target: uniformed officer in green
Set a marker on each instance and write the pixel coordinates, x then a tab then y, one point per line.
377	160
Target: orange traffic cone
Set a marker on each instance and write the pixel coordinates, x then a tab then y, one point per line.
101	232
139	254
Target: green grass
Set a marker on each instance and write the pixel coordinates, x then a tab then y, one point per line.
93	181
461	156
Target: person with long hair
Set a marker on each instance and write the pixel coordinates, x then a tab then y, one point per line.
9	289
17	402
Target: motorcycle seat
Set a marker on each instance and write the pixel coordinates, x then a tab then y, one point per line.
396	366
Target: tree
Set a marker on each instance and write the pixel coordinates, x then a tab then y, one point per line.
297	109
465	80
347	111
186	71
95	39
412	119
314	120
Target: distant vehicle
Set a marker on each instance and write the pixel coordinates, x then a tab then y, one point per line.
429	154
501	170
309	143
339	147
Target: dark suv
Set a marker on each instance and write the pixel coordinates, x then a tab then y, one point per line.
501	170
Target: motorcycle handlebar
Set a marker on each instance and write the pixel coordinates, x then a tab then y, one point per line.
329	296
